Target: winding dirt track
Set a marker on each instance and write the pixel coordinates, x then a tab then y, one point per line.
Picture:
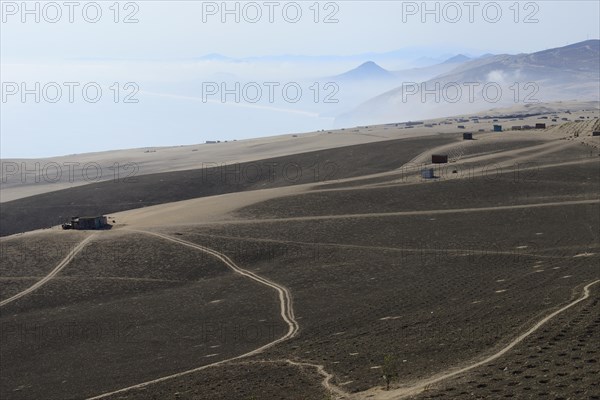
327	377
287	312
285	300
52	273
466	251
408	213
419	386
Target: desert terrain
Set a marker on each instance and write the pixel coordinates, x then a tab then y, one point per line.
308	266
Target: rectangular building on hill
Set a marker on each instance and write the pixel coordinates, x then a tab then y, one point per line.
85	223
439	158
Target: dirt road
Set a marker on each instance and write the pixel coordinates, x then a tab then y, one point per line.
52	273
286	312
419	386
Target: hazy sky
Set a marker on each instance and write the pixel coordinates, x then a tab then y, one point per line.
165	36
172	29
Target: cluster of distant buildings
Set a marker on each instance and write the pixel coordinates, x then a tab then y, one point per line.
428	173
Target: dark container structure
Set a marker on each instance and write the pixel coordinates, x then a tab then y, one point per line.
439	158
85	223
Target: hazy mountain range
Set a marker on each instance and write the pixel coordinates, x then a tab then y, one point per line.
367	89
372	71
412	56
564	73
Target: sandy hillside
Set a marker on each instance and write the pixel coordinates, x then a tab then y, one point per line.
520	240
557	138
62	172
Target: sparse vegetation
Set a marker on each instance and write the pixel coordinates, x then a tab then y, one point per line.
390	370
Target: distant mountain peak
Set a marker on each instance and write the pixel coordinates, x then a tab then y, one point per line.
459	58
365	71
215	57
369	64
371	67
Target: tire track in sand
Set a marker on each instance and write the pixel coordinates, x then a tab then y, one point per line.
419	386
52	273
286	312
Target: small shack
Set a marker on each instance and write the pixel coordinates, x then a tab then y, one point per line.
85	223
540	126
596	133
427	173
439	158
461	127
467	136
497	128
